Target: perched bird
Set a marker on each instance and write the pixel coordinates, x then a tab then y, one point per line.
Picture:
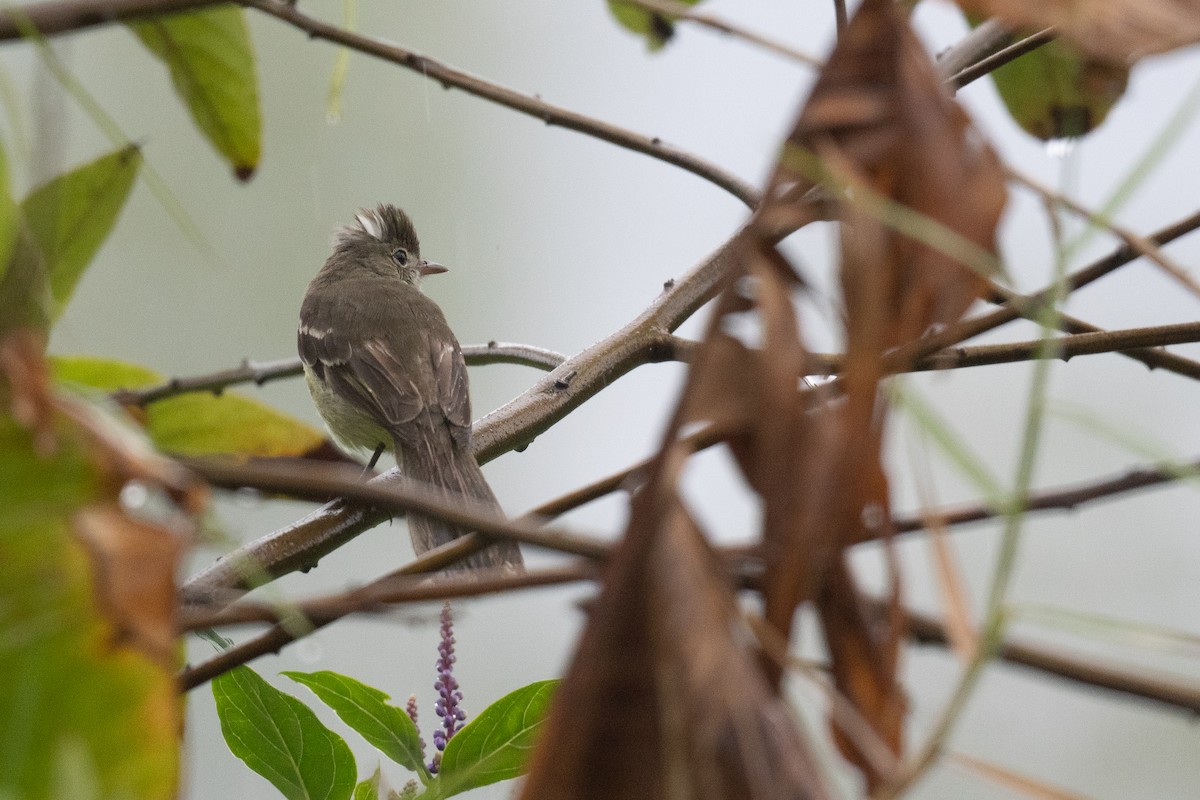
387	373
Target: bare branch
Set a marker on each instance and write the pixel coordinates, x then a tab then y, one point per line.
64	16
257	372
995	61
1083	670
1064	348
260	373
390	493
517	101
1142	245
380	596
277	636
1064	498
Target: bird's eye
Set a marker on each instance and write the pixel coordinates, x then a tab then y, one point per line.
401	256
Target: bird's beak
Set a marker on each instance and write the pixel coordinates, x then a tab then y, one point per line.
431	268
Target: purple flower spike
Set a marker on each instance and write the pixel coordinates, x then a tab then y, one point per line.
449	695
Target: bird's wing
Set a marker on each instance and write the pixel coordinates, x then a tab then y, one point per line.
382	374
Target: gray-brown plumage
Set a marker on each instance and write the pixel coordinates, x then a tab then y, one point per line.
384	368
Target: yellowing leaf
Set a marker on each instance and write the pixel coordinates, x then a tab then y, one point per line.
87	684
197	424
8	217
211	60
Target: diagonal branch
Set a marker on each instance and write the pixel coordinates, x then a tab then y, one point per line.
1013	306
65	16
1133	681
517	101
268	558
302	544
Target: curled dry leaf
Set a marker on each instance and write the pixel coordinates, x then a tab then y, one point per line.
133	577
918	193
1118	31
667	695
919	188
664	698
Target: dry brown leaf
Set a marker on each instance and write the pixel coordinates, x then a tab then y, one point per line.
879	122
664	697
1119	31
912	182
133	577
863	653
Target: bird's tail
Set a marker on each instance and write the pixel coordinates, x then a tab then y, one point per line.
440	464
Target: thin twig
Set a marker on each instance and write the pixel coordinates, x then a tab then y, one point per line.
1064	348
380	596
260	373
1013	306
318	480
257	372
1083	670
1061	498
990	64
677	10
1139	243
278	635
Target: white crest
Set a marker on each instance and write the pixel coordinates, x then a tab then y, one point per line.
370	222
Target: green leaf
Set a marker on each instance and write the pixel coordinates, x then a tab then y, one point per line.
368	789
9	224
197	423
656	28
211	60
364	709
281	739
495	745
1055	92
70	217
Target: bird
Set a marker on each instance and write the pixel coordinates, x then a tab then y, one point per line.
386	372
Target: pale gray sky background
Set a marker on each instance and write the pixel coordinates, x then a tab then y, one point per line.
556	239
